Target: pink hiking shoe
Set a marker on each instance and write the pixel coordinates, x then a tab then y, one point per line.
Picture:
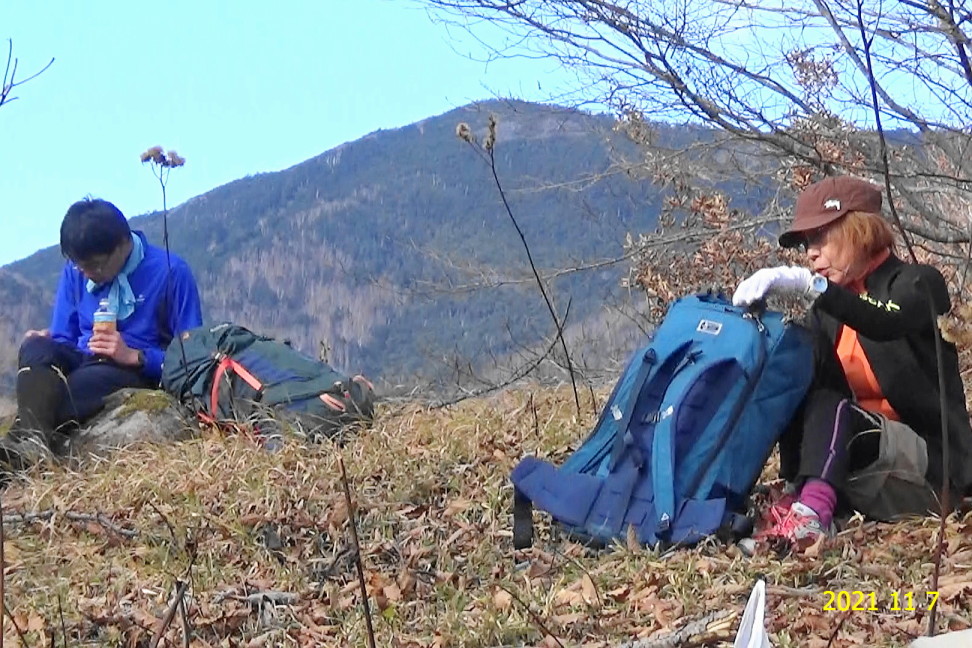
796	525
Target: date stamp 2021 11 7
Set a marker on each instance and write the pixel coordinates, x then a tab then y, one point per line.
893	601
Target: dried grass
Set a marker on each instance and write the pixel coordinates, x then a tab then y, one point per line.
433	499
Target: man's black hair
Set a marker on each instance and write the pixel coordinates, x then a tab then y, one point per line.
92	227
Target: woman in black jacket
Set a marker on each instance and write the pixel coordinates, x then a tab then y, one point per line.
869	432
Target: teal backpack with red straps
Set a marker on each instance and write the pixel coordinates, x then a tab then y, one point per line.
228	373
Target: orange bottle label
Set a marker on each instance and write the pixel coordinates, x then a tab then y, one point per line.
107	327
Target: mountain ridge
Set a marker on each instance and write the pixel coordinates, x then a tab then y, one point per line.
361	247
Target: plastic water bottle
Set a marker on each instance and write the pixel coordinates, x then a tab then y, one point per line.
105	319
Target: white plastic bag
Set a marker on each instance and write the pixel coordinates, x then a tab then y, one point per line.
752	628
960	639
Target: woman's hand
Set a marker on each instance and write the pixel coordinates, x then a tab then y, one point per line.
783	279
110	344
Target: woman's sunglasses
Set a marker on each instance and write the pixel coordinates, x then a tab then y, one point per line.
813	238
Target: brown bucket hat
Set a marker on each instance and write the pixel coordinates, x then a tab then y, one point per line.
824	202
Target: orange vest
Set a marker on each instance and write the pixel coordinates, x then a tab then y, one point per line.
860	377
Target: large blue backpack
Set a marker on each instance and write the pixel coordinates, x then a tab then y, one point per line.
685	433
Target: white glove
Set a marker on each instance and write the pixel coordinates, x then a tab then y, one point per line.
772	281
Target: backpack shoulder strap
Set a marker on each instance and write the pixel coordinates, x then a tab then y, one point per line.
647	380
623	415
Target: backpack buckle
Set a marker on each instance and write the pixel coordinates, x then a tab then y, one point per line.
756	318
664	523
659	415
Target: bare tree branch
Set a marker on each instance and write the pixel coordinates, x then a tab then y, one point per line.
10	81
876	88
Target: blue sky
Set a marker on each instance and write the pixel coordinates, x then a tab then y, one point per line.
236	88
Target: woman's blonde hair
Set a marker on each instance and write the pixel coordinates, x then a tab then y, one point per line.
862	234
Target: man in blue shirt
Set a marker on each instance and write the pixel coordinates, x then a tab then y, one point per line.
66	371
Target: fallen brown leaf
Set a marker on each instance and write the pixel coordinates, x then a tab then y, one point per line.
502	599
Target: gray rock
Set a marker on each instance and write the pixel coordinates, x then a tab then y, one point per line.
132	416
747	546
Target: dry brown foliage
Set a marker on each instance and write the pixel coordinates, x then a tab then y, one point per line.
789	93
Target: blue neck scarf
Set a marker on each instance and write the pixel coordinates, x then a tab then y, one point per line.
121	298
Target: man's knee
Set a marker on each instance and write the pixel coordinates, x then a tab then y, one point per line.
43	351
38	350
91	384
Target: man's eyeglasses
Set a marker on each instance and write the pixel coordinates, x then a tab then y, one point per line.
95	265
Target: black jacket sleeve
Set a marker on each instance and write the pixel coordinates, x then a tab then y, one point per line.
903	311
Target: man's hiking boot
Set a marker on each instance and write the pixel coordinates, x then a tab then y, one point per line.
20	449
39	393
796	526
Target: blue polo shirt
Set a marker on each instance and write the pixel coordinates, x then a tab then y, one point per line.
155	321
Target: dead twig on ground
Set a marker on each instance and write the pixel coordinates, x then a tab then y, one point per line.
709	628
100	519
60	613
181	587
357	553
255	598
533	615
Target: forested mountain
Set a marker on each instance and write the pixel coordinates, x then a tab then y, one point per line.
23	305
396	250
